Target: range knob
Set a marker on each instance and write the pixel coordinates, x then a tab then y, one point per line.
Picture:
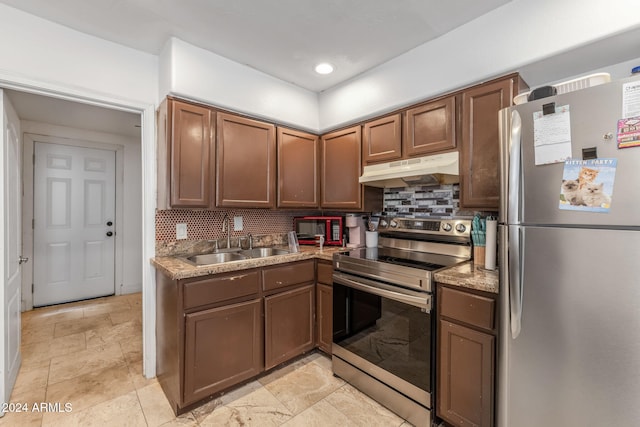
383	223
446	226
393	224
460	228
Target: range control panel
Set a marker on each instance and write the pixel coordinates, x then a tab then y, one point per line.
443	227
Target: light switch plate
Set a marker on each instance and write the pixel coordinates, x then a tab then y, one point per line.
237	223
181	231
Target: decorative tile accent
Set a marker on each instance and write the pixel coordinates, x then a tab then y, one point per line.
441	201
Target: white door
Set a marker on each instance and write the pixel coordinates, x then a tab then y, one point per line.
10	304
74	223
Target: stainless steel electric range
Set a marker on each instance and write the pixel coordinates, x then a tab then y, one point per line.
383	329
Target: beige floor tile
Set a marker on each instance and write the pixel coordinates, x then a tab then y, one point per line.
185	420
107	306
361	409
69	327
41	332
37	353
122	332
322	414
121	411
137	378
256	408
132	350
287	368
31	379
132	314
22	419
92	388
155	406
52	315
84	362
304	387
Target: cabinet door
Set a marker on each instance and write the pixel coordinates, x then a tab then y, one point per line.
288	323
190	155
223	346
465	375
341	160
324	316
479	166
246	163
382	139
298	175
431	127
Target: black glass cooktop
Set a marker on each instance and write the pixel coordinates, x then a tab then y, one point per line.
422	260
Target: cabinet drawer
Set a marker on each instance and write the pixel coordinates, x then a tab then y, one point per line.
325	273
220	288
473	309
288	274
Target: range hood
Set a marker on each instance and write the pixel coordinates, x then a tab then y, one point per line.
428	170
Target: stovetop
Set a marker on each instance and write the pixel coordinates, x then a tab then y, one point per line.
409	251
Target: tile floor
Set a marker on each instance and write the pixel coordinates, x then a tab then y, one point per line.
89	355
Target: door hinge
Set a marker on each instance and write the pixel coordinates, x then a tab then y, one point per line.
33	158
32	288
33	223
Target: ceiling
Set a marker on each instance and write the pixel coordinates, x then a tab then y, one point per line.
283	38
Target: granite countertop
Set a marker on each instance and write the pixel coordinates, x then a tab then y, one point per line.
467	275
176	268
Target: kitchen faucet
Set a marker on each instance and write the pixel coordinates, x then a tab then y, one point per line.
226	228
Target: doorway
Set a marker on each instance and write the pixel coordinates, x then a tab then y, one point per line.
74	223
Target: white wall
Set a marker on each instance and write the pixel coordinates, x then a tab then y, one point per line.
130	225
195	73
519	33
41	51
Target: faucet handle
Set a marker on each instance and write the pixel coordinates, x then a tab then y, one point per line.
250	237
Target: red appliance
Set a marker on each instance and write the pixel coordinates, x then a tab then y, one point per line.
330	227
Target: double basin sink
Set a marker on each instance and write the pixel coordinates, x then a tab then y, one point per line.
238	255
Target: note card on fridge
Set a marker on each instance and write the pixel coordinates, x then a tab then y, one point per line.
552	136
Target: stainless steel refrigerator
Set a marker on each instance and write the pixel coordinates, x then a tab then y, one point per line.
569	347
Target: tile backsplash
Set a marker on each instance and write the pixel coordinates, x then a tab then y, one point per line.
268	227
441	201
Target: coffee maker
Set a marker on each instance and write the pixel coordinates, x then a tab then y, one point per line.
356	225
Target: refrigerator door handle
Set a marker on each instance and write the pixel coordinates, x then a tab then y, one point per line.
516	275
515	169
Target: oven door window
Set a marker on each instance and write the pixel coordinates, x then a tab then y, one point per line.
392	335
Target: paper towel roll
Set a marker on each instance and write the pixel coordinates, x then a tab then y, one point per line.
491	239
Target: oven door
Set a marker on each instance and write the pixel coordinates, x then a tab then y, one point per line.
386	332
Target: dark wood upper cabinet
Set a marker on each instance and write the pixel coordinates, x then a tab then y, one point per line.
479	157
430	127
245	163
341	165
382	139
298	174
186	156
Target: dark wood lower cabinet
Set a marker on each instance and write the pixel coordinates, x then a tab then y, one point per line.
466	366
288	325
324	305
466	357
223	347
217	331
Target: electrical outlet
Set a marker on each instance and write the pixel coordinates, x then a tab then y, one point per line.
181	231
237	223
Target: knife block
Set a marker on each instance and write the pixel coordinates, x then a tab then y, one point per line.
478	256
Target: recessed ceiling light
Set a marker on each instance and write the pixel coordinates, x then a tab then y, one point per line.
324	68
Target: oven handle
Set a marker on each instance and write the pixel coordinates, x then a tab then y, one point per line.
420	300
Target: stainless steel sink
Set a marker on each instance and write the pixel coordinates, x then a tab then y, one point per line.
216	258
263	252
236	255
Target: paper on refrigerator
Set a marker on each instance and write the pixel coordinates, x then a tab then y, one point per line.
552	136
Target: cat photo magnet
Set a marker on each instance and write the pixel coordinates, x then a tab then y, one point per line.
587	185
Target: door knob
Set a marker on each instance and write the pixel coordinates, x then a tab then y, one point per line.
22	259
109	223
109	233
